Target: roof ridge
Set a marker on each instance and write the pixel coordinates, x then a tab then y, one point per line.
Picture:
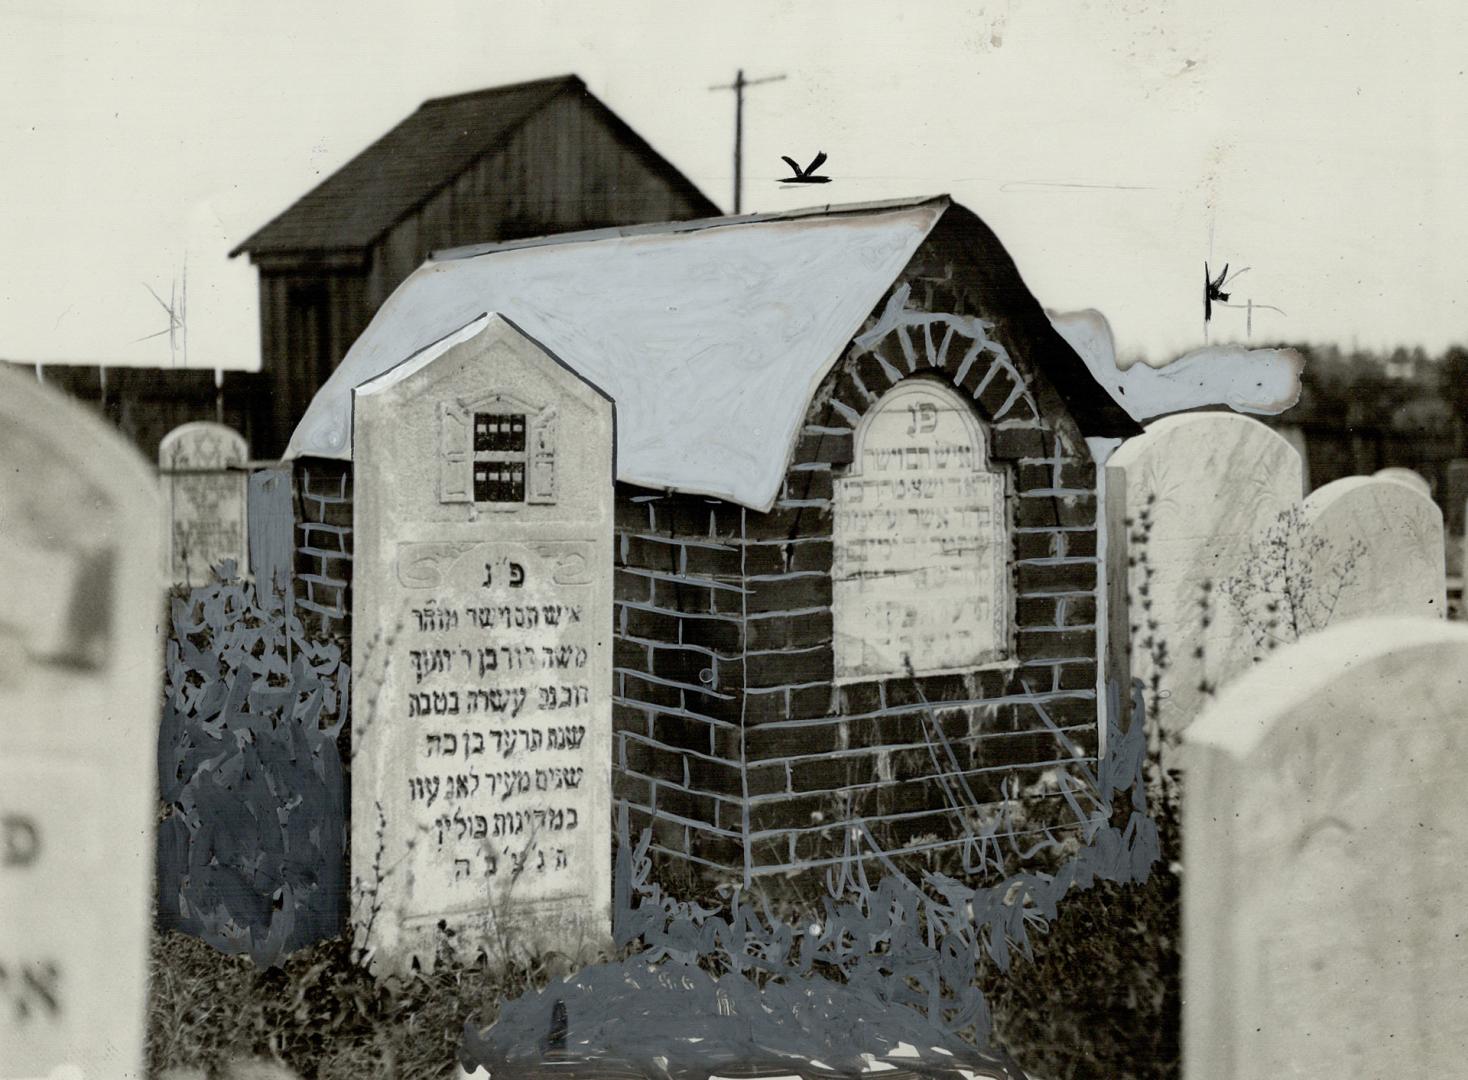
556	86
470	251
569	77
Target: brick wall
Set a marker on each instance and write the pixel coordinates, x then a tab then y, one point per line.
818	753
678	681
724	627
324	543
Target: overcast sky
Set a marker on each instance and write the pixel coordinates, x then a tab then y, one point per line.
1112	144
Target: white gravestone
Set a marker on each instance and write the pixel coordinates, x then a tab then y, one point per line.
1194	489
1326	821
920	579
1405	476
482	623
205	482
1381	549
81	593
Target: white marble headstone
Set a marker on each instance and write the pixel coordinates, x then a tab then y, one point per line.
1409	477
482	626
920	581
81	600
1381	549
205	483
1205	482
1325	826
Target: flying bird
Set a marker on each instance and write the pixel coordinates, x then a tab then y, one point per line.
806	175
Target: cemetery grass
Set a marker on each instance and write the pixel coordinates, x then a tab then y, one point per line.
1099	996
319	1013
1099	993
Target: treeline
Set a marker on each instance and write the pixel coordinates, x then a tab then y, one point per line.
1363	410
1403	391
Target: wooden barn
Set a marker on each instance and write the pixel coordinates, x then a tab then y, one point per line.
494	165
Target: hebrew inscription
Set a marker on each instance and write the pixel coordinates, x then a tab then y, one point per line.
921	543
497	693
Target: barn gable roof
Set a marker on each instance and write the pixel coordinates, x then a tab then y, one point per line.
356	205
711	336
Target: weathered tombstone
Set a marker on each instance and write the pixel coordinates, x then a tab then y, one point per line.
1414	480
81	590
481	783
920	580
1189	494
1325	823
1378	550
204	482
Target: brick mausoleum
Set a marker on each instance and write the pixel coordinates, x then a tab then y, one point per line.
855	499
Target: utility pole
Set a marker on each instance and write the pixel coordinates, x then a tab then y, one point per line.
738	85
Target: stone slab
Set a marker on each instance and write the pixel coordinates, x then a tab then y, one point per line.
482	626
81	603
204	483
920	578
1190	493
1325	827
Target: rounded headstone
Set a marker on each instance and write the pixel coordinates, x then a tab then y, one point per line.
202	464
1324	933
1379	549
81	598
1196	489
920	575
1295	436
1414	480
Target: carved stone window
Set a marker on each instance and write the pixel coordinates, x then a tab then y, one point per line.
499	481
920	572
497	451
499	432
499	457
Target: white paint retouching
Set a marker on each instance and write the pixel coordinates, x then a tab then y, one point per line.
711	340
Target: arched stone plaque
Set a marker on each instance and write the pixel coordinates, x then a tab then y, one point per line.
920	577
203	466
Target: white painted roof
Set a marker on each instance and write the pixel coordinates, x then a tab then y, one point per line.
710	336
